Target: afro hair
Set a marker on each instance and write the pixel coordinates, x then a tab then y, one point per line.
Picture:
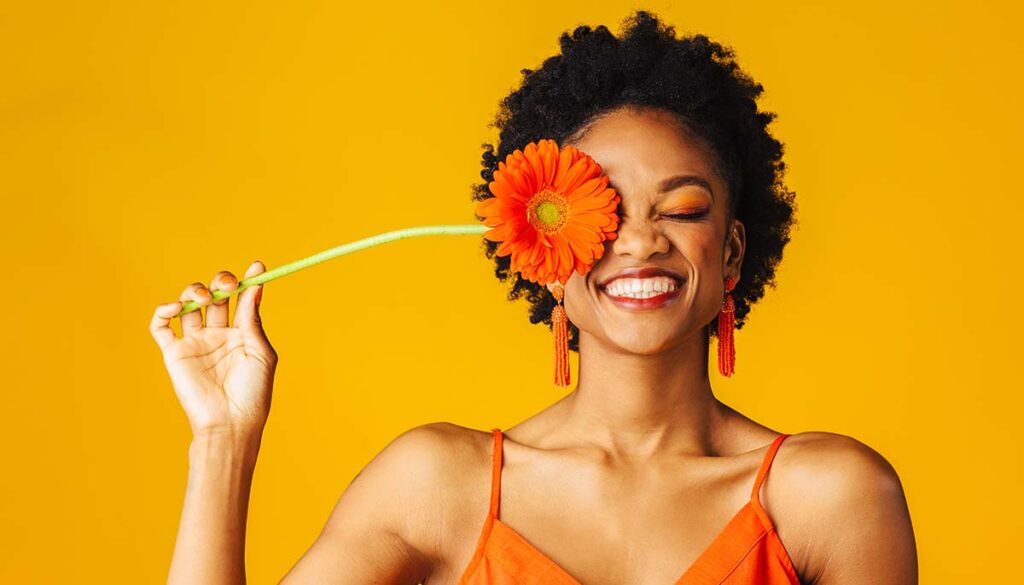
648	66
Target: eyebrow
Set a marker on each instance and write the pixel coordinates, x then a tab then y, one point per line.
681	180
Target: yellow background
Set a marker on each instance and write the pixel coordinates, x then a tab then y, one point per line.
146	145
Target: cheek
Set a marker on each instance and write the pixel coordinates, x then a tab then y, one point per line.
578	297
701	248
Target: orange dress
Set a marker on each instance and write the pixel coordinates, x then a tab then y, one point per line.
747	551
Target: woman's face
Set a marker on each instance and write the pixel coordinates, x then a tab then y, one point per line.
659	170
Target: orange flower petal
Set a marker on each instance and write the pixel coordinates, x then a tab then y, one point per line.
550	159
566	259
574	175
582	232
535	158
588	189
501	187
591	218
545	251
594	205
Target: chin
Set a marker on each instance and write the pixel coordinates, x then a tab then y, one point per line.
642	344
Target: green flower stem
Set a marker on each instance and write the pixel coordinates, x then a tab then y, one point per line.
426	230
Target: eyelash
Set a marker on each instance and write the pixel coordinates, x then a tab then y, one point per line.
694	215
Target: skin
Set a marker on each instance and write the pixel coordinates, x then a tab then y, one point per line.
645	464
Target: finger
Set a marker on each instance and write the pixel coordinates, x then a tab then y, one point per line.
217	312
192	322
160	324
246	310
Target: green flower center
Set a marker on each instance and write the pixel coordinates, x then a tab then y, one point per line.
547	211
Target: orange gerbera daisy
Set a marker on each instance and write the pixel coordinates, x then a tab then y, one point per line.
552	210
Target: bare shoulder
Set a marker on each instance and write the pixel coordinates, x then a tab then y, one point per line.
845	511
390	524
426	453
447	472
430	468
837	465
437	454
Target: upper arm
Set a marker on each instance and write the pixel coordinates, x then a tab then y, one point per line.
864	521
378	530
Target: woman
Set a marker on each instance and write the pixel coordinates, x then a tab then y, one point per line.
639	475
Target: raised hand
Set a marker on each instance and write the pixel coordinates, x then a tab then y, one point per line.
222	374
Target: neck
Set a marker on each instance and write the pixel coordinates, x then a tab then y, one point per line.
637	404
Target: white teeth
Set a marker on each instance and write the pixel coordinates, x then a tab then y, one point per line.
640	288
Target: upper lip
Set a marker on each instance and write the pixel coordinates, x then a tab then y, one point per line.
643	272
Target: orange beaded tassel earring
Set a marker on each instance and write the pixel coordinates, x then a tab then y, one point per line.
726	344
560	325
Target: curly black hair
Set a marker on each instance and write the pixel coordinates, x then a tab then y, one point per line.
647	66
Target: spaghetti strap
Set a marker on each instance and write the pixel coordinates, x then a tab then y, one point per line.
755	498
495	473
745	551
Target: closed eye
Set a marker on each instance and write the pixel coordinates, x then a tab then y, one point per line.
688	216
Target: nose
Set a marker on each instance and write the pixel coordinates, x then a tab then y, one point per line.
639	238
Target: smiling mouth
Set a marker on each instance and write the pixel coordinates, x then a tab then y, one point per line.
642	293
640	288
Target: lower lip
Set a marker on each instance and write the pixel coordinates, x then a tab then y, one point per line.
655	302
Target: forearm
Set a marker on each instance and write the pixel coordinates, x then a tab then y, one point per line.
210	547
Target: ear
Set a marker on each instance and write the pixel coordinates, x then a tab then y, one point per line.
735	246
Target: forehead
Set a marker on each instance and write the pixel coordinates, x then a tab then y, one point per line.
639	149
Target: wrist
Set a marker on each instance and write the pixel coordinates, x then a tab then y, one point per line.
226	445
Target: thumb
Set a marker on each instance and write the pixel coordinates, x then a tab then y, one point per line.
247	314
